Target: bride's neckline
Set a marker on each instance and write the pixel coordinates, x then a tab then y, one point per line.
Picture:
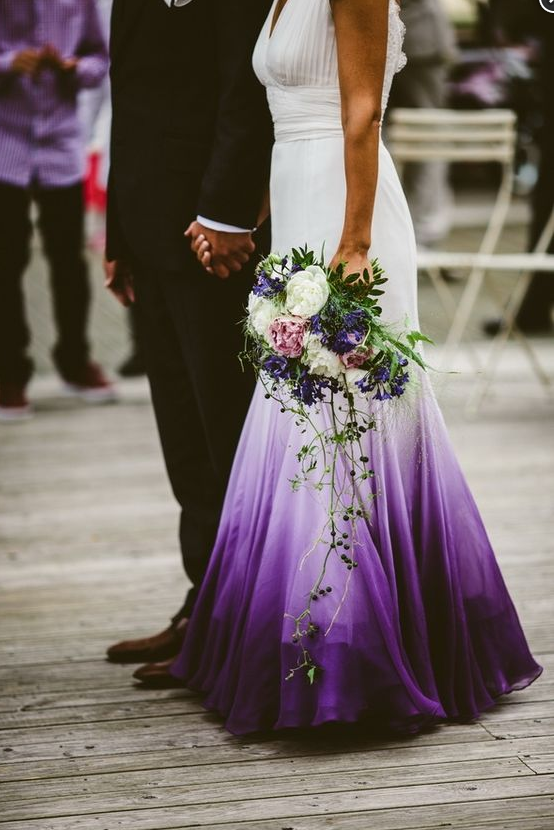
276	17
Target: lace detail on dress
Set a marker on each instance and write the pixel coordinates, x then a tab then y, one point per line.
396	59
400	34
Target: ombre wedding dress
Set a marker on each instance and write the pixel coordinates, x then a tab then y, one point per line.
426	630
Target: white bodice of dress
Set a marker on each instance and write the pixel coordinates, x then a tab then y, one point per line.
297	63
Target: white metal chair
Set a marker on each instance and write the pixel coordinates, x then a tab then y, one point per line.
469	137
525	265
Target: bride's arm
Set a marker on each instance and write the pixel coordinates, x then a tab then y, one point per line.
362	34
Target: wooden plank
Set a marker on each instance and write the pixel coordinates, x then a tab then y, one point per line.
402	799
520	729
169	787
189	733
540	763
235	762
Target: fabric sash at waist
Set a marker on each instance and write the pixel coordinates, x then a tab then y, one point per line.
305	112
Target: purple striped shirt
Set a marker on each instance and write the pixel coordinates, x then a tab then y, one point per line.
40	133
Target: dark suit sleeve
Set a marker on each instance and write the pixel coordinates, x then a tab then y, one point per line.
115	244
238	169
115	247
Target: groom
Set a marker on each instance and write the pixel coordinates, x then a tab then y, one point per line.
191	141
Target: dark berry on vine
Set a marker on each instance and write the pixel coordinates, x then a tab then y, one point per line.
347	547
364	459
345	535
349	567
340	543
328	589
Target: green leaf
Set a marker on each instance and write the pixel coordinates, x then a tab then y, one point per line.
411	354
414	337
311	673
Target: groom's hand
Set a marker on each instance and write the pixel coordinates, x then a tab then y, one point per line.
119	280
226	252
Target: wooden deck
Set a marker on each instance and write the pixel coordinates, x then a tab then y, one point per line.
88	554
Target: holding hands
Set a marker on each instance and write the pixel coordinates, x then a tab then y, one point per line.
220	252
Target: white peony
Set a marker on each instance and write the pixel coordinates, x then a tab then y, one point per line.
320	360
307	292
352	377
261	314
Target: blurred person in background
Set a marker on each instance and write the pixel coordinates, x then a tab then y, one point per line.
511	21
430	47
49	51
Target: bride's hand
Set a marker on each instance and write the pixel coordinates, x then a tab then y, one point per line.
201	247
354	263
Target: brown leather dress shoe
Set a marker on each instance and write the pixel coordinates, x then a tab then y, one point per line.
162	646
158	676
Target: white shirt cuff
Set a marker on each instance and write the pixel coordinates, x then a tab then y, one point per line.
177	3
221	226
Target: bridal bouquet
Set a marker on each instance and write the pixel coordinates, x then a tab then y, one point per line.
317	342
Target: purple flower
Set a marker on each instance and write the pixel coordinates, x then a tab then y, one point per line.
356	319
379	381
365	384
346	341
311	388
277	367
348	332
398	385
381	374
268	285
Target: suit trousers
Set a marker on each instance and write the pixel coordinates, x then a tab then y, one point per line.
61	226
189	328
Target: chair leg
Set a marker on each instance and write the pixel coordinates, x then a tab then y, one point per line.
498	345
510	315
462	316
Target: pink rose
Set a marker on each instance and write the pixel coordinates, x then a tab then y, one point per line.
355	358
286	335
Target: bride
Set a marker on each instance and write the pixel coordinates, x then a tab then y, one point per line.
427	630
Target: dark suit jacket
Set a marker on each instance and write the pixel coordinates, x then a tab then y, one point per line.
191	129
